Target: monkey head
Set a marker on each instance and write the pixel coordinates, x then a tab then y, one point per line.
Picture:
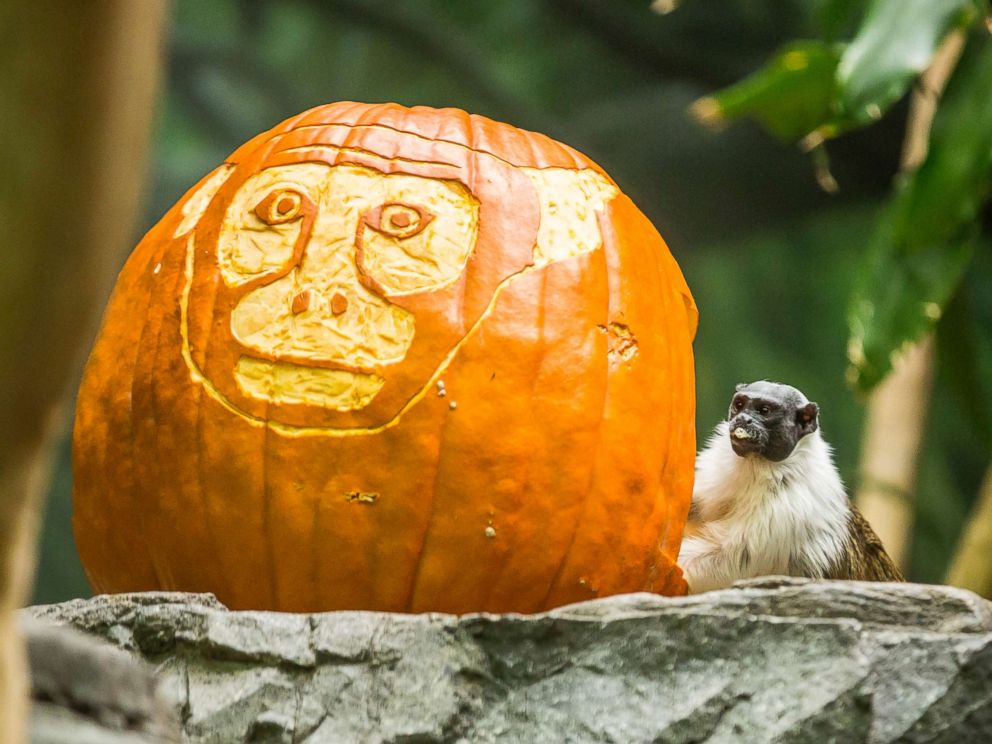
768	419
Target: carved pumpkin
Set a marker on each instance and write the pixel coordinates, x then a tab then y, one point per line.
393	359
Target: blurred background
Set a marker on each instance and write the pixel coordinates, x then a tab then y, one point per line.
771	258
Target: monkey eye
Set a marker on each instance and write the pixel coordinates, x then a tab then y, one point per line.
398	220
764	410
738	404
282	205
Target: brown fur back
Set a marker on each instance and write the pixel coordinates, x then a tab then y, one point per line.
865	558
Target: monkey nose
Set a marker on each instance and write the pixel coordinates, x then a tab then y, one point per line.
339	303
301	302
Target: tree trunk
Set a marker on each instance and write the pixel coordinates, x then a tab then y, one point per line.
971	567
893	436
897	408
77	80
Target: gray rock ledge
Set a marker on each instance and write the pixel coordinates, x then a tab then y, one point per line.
773	660
86	691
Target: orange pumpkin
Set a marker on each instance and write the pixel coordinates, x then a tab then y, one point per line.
392	359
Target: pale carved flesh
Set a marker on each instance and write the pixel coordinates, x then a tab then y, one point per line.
324	246
407	233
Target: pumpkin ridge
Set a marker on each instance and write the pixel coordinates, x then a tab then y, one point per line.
576	157
669	270
353	129
494	582
367	153
267	520
337	114
145	329
153	395
207	518
419	564
437	460
132	433
556	577
200	483
670	434
559	572
314	568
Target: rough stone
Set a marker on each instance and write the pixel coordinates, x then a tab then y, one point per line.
772	660
86	691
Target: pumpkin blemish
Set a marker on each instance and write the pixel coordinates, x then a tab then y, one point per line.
621	342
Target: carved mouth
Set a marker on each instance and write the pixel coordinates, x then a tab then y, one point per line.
283	382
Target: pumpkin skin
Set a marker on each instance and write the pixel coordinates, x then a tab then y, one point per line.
391	359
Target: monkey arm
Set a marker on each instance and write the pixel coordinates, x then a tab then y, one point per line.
707	564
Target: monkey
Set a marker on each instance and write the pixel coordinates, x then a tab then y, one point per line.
768	500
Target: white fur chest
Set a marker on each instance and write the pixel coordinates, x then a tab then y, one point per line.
758	517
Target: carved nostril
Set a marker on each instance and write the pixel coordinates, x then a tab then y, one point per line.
339	303
301	302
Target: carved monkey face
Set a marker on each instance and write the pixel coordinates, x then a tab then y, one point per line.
768	419
328	286
320	255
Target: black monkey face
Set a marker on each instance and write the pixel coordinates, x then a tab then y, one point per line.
768	419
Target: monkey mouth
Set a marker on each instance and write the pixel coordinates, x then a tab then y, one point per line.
285	382
747	439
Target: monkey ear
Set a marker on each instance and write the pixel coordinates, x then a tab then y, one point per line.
740	386
806	418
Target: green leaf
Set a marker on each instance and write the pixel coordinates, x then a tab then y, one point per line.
903	299
895	43
790	96
927	235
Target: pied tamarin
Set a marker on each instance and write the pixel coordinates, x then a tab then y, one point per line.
768	500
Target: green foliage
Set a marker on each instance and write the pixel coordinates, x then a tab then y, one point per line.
927	236
816	90
894	44
812	91
790	96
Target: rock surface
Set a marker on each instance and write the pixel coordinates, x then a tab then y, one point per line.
85	691
774	660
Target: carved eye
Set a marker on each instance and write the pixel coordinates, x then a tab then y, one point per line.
280	206
398	220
